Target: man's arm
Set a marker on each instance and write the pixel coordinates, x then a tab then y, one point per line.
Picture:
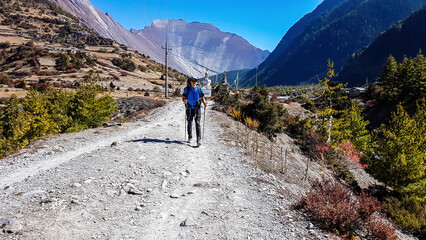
204	101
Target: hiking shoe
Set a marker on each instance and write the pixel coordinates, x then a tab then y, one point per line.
198	143
189	140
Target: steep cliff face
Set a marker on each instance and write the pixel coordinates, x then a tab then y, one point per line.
195	46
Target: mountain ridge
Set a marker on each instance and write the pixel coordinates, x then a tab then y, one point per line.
188	63
402	39
335	35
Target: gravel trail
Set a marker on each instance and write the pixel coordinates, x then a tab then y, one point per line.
140	180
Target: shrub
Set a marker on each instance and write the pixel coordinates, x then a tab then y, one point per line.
142	68
146	94
89	110
4	45
381	229
270	115
156	89
408	212
125	64
336	208
4	78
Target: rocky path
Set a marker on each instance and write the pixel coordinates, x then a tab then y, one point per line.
141	181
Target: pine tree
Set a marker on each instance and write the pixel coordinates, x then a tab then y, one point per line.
388	78
400	152
352	126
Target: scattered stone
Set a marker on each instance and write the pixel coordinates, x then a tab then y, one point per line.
149	190
167	173
88	181
48	200
184	174
127	187
75	200
10	225
135	191
164	184
77	185
188	222
174	195
167	139
191	192
114	144
138	208
122	192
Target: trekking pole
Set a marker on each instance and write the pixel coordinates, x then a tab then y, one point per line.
185	124
204	123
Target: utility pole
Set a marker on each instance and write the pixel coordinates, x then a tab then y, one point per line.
167	70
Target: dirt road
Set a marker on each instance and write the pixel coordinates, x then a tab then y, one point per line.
141	181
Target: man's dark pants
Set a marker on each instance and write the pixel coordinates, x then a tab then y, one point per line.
190	114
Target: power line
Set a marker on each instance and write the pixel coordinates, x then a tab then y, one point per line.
140	12
158	6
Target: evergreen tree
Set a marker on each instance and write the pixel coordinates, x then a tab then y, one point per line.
352	126
388	78
270	115
35	107
14	124
400	153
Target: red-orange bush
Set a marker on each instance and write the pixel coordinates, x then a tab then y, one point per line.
381	229
367	205
336	208
332	205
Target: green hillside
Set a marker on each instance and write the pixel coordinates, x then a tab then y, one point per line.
405	38
336	35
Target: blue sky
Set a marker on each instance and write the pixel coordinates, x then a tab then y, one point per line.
261	22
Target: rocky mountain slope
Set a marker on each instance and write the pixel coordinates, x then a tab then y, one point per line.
43	46
195	46
335	35
403	39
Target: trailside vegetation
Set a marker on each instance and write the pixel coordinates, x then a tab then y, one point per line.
340	136
52	111
258	106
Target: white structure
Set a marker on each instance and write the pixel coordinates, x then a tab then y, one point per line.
206	86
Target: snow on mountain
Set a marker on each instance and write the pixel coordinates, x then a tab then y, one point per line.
195	46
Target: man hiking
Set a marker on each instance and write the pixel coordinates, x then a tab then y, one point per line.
193	96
